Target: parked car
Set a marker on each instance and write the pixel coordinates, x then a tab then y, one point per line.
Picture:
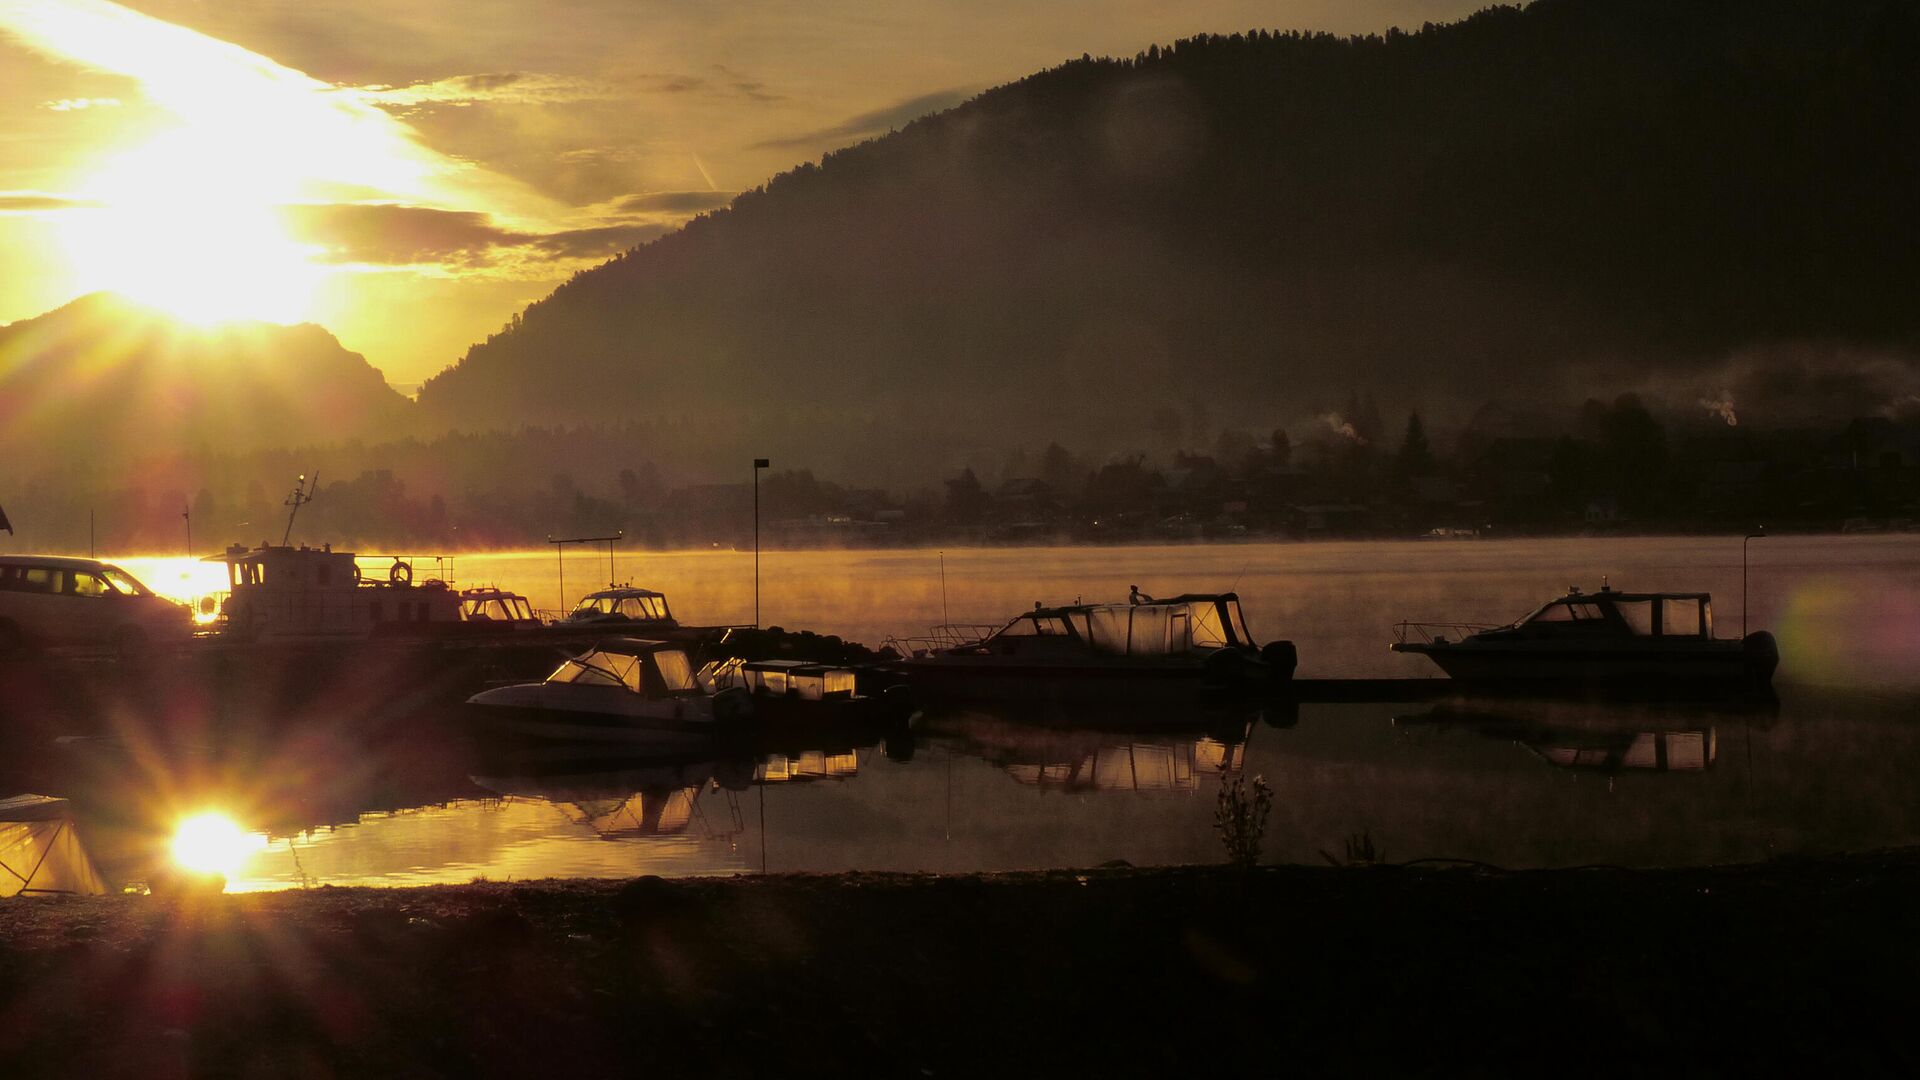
52	600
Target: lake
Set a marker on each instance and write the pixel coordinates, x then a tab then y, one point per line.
1512	784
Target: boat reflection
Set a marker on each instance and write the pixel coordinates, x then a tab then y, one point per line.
1591	738
1086	751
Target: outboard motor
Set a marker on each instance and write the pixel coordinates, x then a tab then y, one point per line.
1762	655
1281	658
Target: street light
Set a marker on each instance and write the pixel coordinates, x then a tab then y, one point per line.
758	464
1759	533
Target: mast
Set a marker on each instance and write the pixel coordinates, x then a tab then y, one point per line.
302	495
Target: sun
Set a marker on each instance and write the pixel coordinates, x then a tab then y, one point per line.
211	843
190	223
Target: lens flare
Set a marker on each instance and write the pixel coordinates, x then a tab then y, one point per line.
212	843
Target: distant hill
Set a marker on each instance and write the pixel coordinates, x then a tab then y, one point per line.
102	381
1240	228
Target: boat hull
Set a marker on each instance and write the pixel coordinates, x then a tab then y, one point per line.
960	680
1715	667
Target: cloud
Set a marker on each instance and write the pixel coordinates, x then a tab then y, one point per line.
79	104
386	234
391	235
674	202
30	202
877	122
599	242
493	88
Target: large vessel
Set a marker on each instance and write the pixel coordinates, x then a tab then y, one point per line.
1187	646
1609	641
279	591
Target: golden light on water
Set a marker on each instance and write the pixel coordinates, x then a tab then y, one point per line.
213	843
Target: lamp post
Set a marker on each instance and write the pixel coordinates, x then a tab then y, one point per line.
1759	533
758	464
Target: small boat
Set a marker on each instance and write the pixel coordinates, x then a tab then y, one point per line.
640	609
1612	642
622	690
790	692
494	607
1188	646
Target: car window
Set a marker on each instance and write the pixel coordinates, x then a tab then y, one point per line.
87	583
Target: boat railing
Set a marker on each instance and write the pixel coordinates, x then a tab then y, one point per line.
943	636
1427	633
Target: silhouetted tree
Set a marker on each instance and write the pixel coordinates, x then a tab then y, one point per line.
1415	457
966	499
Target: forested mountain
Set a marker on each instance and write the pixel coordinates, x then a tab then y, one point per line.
102	381
1562	199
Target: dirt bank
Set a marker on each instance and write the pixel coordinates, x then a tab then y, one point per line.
1787	964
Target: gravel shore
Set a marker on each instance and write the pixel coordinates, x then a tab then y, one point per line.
1801	963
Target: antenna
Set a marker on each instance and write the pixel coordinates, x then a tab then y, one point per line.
302	495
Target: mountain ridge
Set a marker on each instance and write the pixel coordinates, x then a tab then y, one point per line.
1254	225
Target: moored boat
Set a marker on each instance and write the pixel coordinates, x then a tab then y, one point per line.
1188	646
1604	642
621	690
641	610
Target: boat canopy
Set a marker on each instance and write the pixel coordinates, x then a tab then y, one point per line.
802	679
1687	615
644	667
641	605
40	853
494	605
1173	627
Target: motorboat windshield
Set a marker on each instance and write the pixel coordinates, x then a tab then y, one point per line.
638	605
642	667
1616	614
494	606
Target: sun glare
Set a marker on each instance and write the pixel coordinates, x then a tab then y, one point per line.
189	224
211	843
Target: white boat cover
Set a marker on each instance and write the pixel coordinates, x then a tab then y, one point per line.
40	851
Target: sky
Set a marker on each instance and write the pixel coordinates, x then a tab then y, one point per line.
409	174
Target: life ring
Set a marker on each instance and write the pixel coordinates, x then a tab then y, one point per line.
401	574
356	573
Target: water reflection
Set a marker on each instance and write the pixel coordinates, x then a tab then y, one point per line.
1505	782
1593	738
1093	756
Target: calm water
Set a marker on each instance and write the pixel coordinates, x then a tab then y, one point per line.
1513	784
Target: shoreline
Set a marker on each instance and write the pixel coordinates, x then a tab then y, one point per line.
1802	960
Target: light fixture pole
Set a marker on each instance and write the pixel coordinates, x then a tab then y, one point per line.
1759	533
758	464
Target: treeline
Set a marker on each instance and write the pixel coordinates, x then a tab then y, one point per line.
1612	465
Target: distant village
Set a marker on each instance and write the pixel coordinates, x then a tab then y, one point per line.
1620	468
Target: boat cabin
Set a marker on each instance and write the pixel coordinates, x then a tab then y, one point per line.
801	679
624	603
496	606
281	591
1618	615
648	668
1182	626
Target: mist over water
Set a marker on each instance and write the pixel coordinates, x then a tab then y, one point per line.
1846	608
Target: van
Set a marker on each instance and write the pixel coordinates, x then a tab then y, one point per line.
52	600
